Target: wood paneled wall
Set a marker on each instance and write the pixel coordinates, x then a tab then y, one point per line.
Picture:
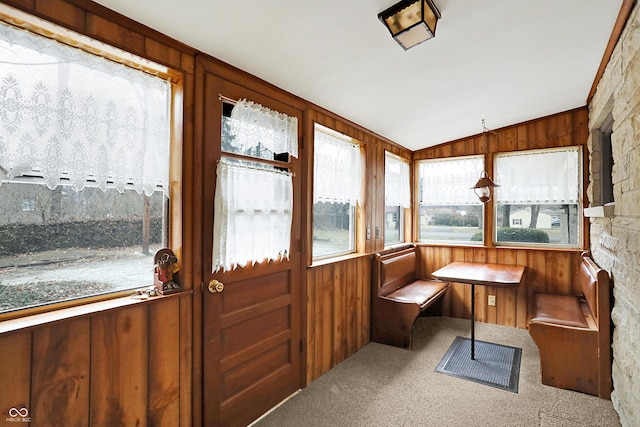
119	367
558	130
338	307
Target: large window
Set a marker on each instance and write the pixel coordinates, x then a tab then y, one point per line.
336	191
397	198
539	198
84	171
449	211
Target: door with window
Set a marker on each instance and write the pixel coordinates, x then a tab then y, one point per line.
251	250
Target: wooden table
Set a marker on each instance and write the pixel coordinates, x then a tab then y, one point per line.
478	273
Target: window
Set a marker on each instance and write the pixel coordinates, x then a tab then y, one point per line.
449	211
84	170
538	198
336	191
606	162
254	189
397	198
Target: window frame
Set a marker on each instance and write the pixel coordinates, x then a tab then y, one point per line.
357	209
579	203
418	206
404	214
172	230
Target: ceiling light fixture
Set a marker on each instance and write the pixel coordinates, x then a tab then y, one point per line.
411	22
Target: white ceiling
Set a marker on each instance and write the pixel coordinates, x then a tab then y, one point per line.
504	61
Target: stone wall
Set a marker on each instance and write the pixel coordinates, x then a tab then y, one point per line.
615	240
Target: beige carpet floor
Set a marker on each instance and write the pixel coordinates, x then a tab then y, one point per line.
387	386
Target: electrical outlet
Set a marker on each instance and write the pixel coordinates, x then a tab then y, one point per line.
492	300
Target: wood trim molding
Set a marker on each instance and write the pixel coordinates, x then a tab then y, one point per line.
621	21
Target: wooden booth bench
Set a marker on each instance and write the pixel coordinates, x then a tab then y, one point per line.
398	297
573	334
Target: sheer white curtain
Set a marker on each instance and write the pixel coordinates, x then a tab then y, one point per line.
73	117
396	182
253	201
254	125
252	215
336	169
449	181
538	177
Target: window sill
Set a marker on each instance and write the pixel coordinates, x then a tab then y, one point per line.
604	211
326	261
35	320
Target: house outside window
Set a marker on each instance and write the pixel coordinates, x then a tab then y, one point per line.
539	198
336	192
84	172
449	211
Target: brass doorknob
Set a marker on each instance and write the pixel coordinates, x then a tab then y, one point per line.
215	286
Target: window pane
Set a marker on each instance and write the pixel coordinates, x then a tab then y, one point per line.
242	135
336	189
78	134
534	223
397	197
452	223
393	225
333	228
538	197
449	210
62	245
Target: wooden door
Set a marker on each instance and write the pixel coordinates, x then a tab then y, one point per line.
251	329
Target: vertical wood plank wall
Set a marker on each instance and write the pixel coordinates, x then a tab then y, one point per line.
117	367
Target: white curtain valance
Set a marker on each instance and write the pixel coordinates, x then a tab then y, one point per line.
336	169
448	181
253	125
549	177
68	116
252	215
397	191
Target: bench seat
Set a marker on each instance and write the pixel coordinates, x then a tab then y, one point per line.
420	292
398	296
564	310
573	334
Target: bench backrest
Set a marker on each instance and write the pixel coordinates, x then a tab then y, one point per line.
594	283
395	269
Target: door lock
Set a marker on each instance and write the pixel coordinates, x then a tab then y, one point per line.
215	286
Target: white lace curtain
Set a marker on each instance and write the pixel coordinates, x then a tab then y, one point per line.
336	169
68	116
252	215
396	182
449	181
550	177
253	125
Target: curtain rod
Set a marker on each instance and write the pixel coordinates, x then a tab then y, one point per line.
265	169
223	98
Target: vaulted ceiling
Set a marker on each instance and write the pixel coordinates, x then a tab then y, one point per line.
502	61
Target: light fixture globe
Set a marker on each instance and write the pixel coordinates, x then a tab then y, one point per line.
484	187
411	22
